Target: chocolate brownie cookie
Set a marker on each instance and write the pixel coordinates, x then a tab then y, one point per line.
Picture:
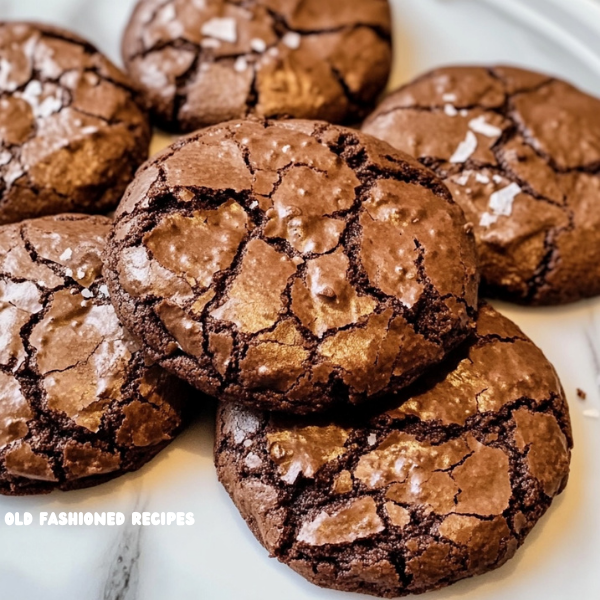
520	152
291	265
71	133
444	483
78	403
204	62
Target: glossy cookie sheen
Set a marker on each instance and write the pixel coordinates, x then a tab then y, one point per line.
71	133
208	61
520	152
78	403
443	483
291	265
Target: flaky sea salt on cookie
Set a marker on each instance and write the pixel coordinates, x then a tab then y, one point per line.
201	63
444	483
520	152
71	132
292	265
78	403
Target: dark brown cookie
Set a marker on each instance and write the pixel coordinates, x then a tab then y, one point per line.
71	133
291	265
443	484
520	152
78	404
206	62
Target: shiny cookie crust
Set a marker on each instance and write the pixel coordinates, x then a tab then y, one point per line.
520	152
442	483
202	63
291	265
79	404
72	133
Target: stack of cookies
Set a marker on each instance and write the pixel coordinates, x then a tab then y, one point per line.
380	428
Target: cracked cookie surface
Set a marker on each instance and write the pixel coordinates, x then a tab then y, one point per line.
71	133
520	152
78	403
291	265
443	483
206	62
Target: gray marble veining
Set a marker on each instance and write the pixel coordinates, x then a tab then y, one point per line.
123	573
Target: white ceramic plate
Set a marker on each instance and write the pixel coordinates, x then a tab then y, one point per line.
217	558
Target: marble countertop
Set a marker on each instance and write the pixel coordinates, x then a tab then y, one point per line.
217	558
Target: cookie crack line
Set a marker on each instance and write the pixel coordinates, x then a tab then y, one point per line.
258	39
77	435
62	89
279	30
506	112
351	500
334	155
534	283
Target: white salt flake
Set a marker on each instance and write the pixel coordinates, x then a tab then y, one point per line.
49	106
32	92
104	290
450	110
258	45
464	112
5	157
254	205
487	219
224	29
71	79
480	125
501	202
167	13
80	273
90	130
497	179
592	413
292	40
481	178
86	293
252	461
12	172
464	178
66	255
240	65
449	98
372	439
210	43
465	149
5	71
69	272
295	470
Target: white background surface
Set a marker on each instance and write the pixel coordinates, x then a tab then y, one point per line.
217	558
